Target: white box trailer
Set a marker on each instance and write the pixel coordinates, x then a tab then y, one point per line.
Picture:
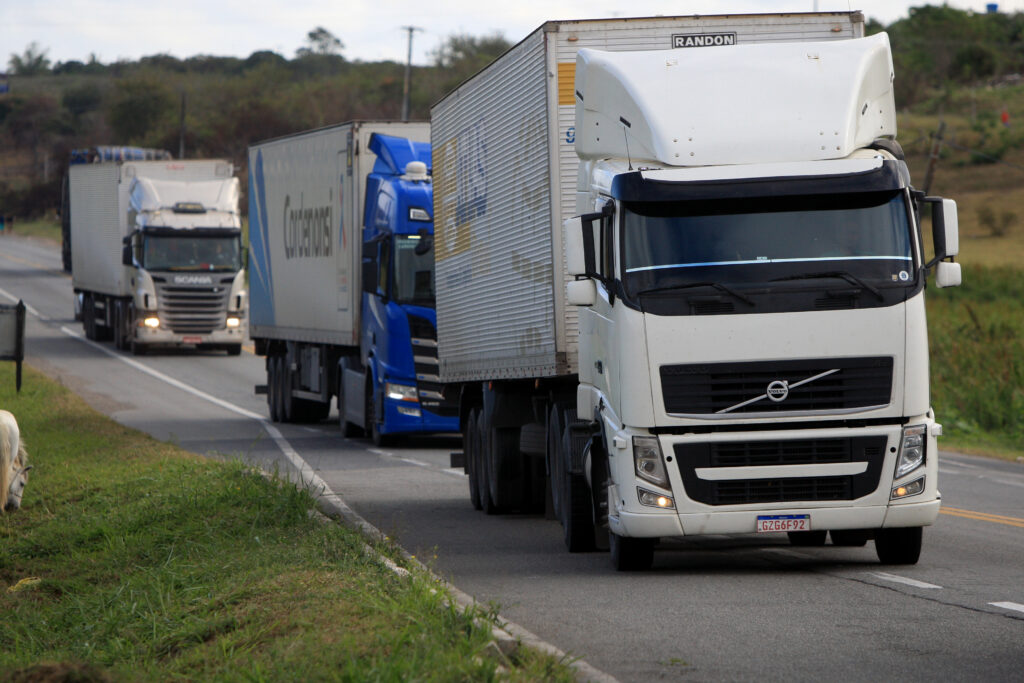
505	172
305	230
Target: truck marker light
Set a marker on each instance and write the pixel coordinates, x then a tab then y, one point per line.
151	322
912	489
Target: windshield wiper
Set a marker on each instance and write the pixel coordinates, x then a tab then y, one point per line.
840	274
716	285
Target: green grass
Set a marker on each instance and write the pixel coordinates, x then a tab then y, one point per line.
976	334
154	565
43	228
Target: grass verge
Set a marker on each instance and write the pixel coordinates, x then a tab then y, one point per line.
154	564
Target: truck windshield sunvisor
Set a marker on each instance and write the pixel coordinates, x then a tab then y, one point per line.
634	187
767	240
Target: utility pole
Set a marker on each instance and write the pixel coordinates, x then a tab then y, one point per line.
181	128
933	158
408	73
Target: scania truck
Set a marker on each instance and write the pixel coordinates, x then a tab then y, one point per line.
341	236
156	252
681	278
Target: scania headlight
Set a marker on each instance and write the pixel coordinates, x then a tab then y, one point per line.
151	322
400	392
911	450
649	464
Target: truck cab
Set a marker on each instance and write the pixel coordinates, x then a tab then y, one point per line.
398	339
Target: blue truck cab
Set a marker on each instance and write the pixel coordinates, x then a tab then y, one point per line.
398	335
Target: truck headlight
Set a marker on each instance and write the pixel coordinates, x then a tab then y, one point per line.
911	450
400	392
233	322
647	458
152	322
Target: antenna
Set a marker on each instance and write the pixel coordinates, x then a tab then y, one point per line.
625	136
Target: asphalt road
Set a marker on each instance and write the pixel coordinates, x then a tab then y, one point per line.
712	609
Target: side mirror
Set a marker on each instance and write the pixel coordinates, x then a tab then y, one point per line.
126	251
580	252
581	292
945	227
947	274
369	276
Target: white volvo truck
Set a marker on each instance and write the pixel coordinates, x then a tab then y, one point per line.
729	335
156	253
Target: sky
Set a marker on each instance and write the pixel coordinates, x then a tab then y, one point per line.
370	31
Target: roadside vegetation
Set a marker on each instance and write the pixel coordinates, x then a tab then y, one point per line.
132	560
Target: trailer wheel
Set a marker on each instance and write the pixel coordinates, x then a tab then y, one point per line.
279	388
273	404
505	470
470	445
288	409
483	466
555	471
89	317
898	546
631	554
807	539
120	331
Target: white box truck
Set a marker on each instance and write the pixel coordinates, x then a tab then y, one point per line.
728	335
156	253
340	228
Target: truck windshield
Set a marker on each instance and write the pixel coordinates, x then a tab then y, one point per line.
864	235
188	252
414	273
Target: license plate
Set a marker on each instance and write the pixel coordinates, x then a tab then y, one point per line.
770	523
192	340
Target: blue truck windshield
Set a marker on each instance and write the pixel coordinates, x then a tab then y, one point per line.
755	241
414	273
186	252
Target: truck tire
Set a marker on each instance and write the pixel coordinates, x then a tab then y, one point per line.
273	404
378	438
505	468
89	317
807	539
631	554
483	466
138	348
853	538
898	546
577	508
555	471
348	429
284	383
470	450
120	328
233	349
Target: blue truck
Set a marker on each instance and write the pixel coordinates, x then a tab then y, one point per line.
342	278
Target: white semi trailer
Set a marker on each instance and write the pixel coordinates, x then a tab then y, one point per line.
156	253
728	336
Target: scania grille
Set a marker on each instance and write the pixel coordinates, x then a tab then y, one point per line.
753	490
424	353
193	310
777	386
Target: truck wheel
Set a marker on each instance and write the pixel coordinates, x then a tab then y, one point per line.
284	382
483	466
273	405
898	546
470	447
555	473
577	509
138	348
807	538
631	554
348	430
120	336
89	318
378	438
853	538
505	468
233	349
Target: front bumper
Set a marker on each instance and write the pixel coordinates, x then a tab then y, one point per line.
842	478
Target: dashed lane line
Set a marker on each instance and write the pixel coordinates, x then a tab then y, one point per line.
904	580
983	516
1015	606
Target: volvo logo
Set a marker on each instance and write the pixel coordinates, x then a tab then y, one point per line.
778	390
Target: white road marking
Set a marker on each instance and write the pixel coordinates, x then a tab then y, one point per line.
28	308
418	463
904	580
1015	606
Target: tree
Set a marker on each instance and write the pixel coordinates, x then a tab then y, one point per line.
139	107
30	63
321	42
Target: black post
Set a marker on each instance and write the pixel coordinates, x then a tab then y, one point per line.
20	344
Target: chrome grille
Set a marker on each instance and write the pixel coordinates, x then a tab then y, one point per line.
424	353
187	309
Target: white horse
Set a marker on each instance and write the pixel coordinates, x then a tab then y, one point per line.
14	465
